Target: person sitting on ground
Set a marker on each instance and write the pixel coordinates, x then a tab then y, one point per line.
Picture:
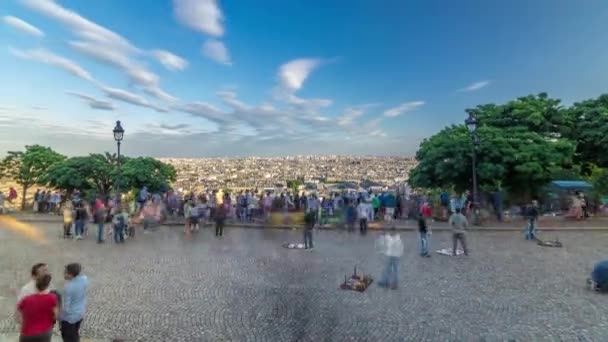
38	312
599	276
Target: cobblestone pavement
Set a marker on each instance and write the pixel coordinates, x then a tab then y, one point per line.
246	287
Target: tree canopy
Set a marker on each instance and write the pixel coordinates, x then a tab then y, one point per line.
523	144
30	167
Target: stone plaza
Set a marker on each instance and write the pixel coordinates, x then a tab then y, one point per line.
247	287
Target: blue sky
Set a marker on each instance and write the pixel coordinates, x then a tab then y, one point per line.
196	78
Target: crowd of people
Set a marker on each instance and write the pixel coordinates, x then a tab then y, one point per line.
40	307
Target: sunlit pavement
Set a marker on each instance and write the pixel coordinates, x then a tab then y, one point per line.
246	287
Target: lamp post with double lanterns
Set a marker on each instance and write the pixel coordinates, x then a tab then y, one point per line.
471	123
119	133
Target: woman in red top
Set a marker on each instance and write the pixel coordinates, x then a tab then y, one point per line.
38	313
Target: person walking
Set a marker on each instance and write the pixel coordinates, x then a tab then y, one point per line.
309	224
393	249
38	312
423	236
74	302
458	222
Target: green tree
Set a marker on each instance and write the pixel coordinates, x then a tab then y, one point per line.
590	122
522	145
145	171
29	168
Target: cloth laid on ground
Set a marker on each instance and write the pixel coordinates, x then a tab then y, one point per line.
555	243
448	252
293	245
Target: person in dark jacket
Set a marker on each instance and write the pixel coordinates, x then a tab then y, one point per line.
532	214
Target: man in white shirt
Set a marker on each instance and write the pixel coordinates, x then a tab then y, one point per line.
38	271
363	210
393	248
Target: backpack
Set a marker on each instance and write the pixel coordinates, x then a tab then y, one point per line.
120	224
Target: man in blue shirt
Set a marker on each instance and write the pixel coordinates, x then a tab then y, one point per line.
74	302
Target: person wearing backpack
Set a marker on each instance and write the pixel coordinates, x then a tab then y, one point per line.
119	223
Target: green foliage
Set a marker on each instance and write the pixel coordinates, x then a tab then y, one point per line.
30	167
522	146
590	131
145	171
94	173
599	179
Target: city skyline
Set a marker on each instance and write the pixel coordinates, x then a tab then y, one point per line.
196	79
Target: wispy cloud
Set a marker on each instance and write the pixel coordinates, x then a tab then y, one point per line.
204	16
476	86
108	47
128	97
169	60
48	57
216	51
22	26
93	102
403	108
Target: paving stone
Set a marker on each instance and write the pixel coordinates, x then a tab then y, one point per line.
246	287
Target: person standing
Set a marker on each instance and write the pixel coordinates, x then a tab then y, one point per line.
220	219
67	220
424	232
532	218
38	312
74	302
375	206
393	249
309	224
12	195
2	209
99	218
38	271
458	222
120	222
81	220
363	213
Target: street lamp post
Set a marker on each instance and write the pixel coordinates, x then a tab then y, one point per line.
471	123
119	133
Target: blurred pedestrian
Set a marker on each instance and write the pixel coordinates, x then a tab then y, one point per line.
393	249
423	235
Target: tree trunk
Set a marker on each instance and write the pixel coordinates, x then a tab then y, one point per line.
23	197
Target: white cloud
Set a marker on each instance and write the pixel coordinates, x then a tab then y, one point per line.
47	57
293	73
128	97
216	51
22	26
110	48
200	15
169	60
377	133
93	102
203	110
160	94
403	108
476	86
